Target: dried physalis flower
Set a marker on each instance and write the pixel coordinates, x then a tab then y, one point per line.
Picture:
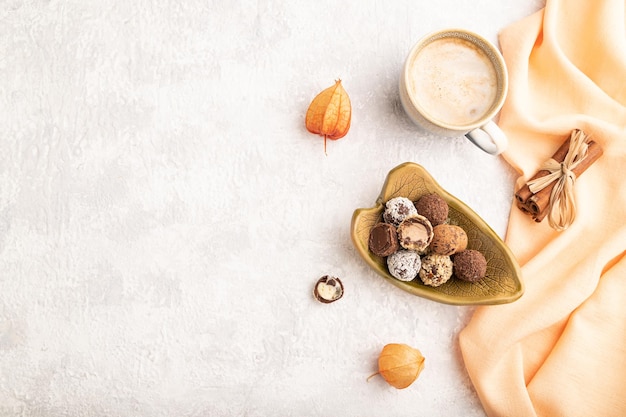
328	289
399	365
329	113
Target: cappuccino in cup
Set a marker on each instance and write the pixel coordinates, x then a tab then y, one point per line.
454	82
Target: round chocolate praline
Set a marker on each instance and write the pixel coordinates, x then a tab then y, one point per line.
404	264
448	239
433	207
383	239
397	209
415	233
436	269
470	265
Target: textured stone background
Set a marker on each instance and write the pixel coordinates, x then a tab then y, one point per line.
164	214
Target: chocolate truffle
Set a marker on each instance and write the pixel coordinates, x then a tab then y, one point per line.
448	239
397	209
328	289
433	207
383	240
470	265
404	264
436	269
415	233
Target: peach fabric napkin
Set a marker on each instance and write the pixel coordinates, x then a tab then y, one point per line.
560	350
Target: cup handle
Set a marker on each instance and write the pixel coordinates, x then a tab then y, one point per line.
489	137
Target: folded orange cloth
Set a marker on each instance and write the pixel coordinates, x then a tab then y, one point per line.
560	350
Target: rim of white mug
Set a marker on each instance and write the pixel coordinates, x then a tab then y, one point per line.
495	107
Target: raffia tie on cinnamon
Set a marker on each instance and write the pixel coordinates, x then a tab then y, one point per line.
551	190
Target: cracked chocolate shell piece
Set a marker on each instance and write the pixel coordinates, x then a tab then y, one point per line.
448	239
328	289
404	264
470	265
397	209
383	239
415	233
436	269
433	207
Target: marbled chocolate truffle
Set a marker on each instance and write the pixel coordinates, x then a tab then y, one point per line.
397	209
448	239
435	270
404	264
433	207
415	233
470	265
383	239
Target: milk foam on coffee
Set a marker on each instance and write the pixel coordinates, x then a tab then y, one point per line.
453	81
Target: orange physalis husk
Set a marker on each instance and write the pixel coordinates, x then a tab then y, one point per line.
329	113
399	365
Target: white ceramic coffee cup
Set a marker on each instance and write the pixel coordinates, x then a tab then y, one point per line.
454	82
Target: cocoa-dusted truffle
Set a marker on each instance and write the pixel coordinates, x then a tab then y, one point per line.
404	264
397	209
415	233
383	239
470	265
448	239
433	207
436	269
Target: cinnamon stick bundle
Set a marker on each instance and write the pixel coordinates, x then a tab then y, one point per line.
537	204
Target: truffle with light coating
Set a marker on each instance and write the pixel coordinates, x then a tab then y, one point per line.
433	207
448	239
415	233
470	265
436	269
404	264
397	209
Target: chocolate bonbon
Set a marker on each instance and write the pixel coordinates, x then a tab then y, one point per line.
436	269
383	239
397	209
404	264
415	233
434	208
328	289
470	265
448	239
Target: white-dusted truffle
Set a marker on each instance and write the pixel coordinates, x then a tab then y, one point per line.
404	264
397	209
436	269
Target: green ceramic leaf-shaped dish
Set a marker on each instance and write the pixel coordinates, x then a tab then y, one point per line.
502	283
